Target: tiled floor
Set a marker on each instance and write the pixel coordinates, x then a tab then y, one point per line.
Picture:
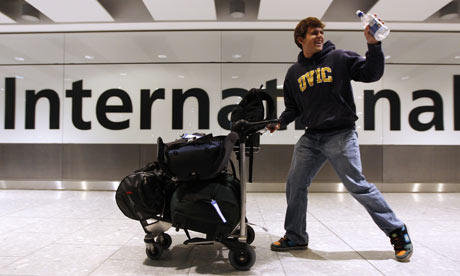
84	233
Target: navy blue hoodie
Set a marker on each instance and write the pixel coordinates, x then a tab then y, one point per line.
318	89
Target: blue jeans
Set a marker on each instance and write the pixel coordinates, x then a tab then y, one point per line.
341	148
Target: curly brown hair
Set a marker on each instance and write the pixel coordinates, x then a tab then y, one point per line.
302	28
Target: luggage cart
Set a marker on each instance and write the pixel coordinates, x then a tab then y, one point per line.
241	255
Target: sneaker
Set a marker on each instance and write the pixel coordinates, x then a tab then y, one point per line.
285	244
402	244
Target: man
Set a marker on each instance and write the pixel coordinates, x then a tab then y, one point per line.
317	89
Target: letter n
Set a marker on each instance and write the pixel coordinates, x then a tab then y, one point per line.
178	107
31	102
370	99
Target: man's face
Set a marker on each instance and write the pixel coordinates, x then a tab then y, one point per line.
313	41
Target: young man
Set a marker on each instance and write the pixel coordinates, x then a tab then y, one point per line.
317	89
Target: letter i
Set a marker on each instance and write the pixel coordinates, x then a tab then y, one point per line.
318	75
10	102
456	102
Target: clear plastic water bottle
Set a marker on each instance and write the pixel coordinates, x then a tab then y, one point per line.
377	29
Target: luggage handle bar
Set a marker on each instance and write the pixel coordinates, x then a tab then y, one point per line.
244	127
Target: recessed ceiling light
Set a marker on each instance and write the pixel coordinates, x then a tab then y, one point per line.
235	77
29	13
449	11
236	56
30	18
19	58
457	57
19	77
237	9
181	77
405	78
89	57
162	56
123	74
387	57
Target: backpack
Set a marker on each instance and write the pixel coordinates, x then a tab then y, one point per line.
198	158
251	108
145	194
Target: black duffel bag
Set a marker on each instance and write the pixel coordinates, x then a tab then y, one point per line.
199	158
145	194
211	207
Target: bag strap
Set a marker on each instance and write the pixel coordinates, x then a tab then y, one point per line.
270	104
233	168
226	150
161	155
251	162
151	166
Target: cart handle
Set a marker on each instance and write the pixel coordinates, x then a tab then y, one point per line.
244	127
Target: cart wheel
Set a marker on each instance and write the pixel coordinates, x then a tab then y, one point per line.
154	251
242	259
250	234
164	240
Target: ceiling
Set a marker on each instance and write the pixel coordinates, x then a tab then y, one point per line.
81	15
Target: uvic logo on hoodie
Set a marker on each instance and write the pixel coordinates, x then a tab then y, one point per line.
323	74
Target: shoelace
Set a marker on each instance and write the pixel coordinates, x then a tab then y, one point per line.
398	243
283	239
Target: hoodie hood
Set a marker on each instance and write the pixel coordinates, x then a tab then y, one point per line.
327	48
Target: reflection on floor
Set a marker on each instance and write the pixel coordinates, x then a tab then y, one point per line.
84	233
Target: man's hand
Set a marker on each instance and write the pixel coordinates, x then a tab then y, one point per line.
273	127
370	38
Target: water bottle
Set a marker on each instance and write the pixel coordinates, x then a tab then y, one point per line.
377	29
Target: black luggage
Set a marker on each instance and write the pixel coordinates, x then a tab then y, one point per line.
211	207
145	194
198	158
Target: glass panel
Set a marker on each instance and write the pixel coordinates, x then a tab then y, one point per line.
138	47
200	79
31	48
39	126
258	46
426	94
421	47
